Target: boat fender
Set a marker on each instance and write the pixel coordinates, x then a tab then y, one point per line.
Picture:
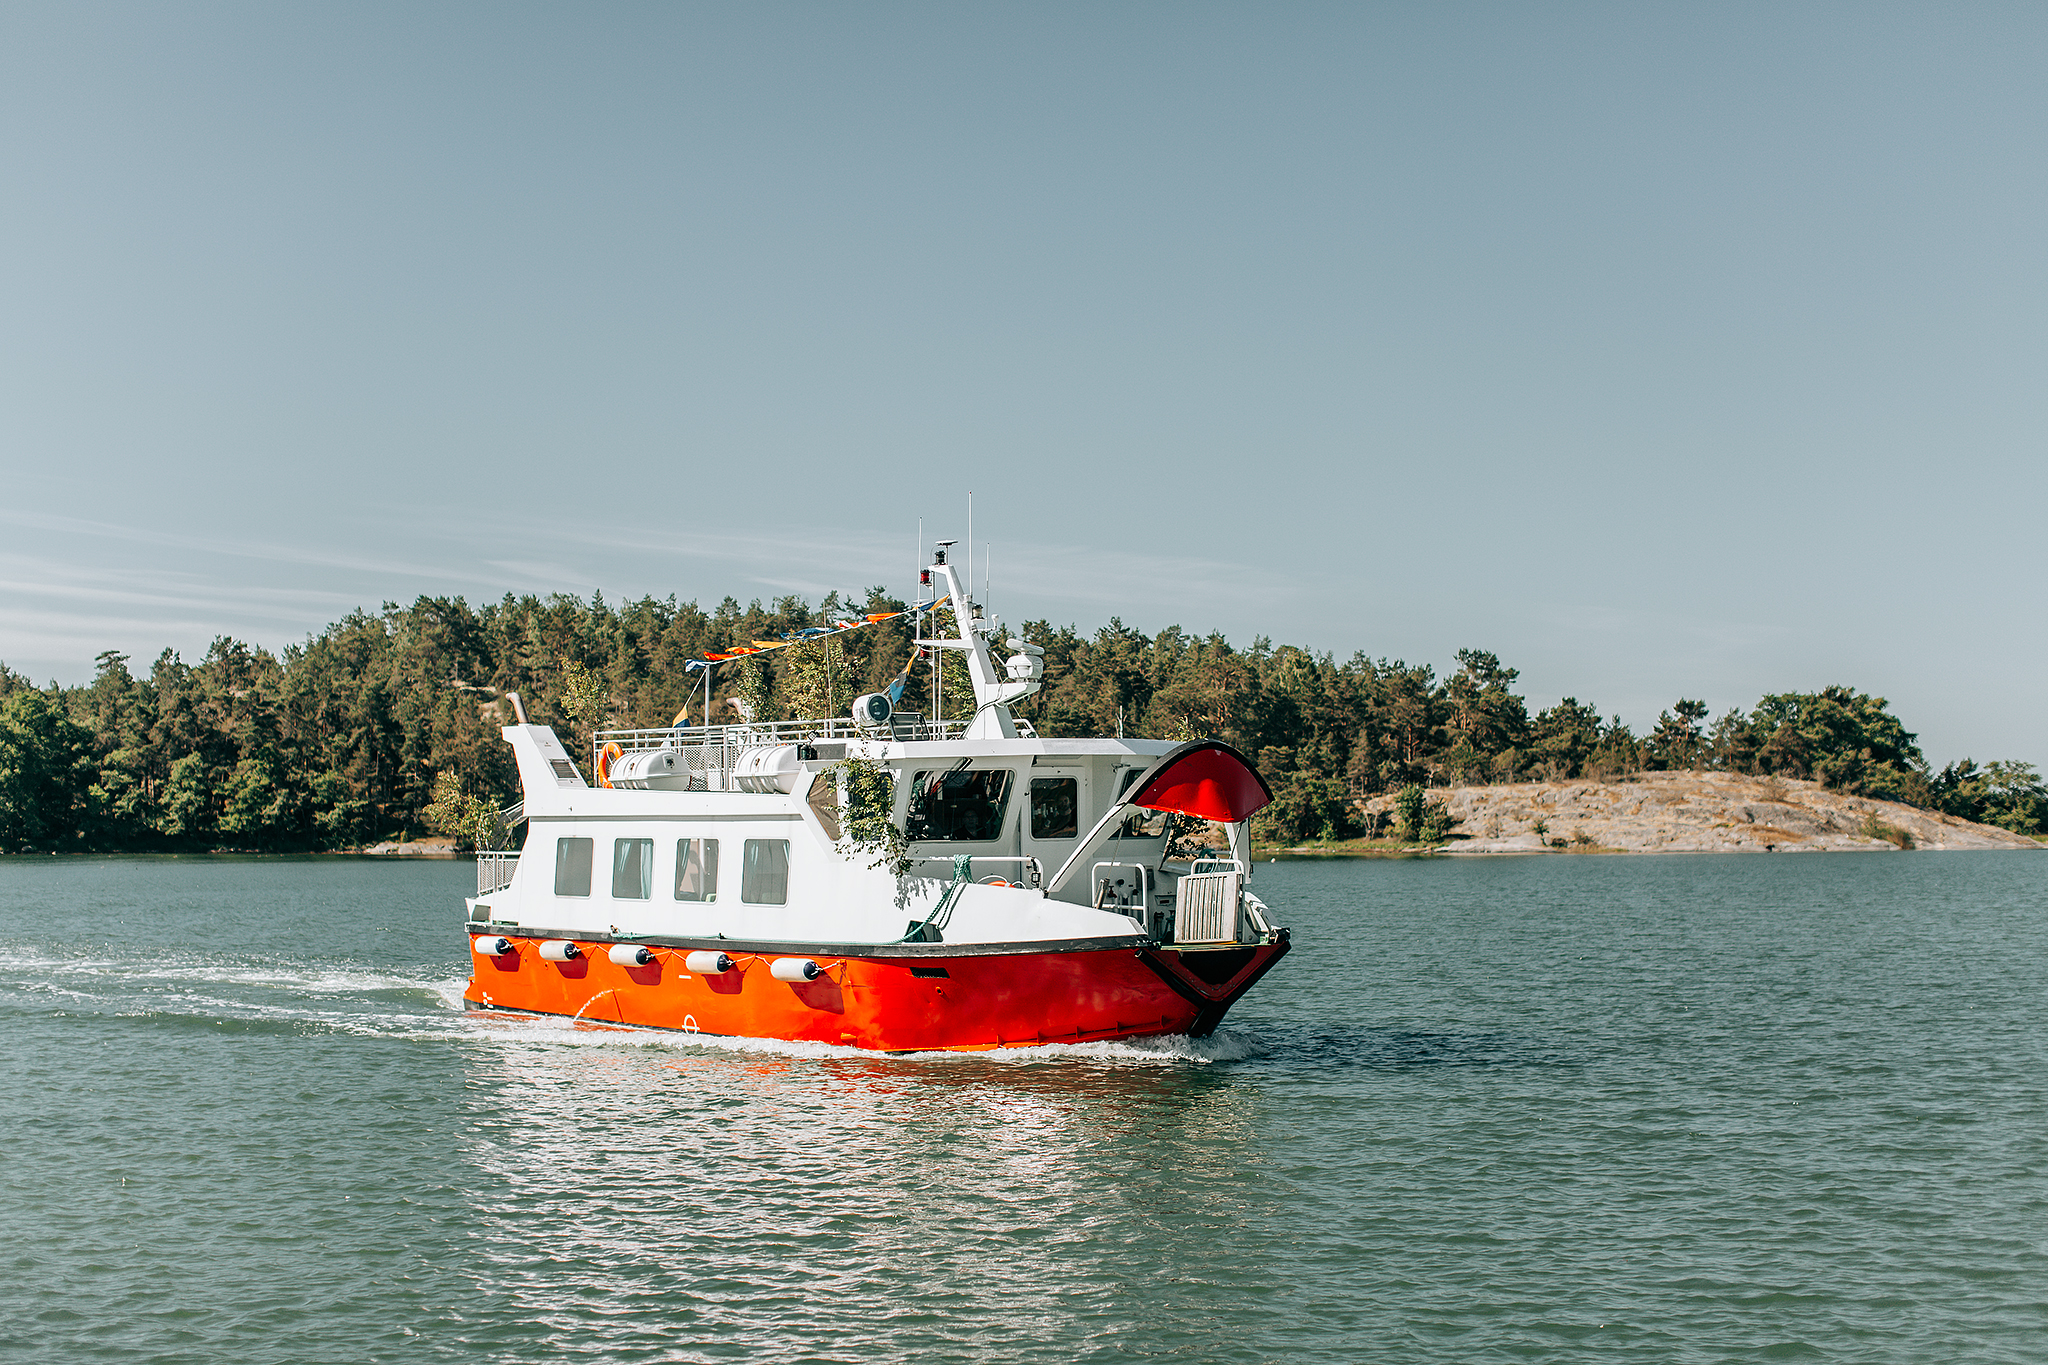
560	950
492	946
707	963
795	970
608	755
630	955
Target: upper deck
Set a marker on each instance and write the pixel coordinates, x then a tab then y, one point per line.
711	753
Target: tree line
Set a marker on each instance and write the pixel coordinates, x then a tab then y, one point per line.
386	724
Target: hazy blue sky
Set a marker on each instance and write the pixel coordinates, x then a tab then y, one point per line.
1661	350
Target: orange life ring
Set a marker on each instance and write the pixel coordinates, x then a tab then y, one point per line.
608	755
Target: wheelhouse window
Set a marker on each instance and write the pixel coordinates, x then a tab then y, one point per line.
696	869
1144	824
960	805
1055	808
632	869
572	867
764	872
1140	824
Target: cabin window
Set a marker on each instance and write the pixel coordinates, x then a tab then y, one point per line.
1144	824
632	869
1055	808
572	867
764	872
1140	824
824	804
961	805
696	869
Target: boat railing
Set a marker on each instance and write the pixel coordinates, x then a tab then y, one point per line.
1111	893
710	751
1035	868
494	871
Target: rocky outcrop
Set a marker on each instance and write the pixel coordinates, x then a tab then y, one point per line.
434	846
1696	812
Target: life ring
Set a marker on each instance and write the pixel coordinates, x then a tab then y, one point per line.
995	881
608	755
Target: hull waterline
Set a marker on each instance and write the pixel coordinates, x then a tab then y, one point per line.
890	998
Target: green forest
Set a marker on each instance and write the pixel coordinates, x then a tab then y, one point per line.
386	725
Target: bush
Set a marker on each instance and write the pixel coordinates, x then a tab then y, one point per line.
867	815
1305	806
468	819
1874	828
1421	819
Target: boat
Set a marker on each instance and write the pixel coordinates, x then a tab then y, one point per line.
885	880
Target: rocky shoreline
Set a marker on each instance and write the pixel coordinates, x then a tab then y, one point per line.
433	846
1695	812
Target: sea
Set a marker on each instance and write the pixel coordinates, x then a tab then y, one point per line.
1566	1108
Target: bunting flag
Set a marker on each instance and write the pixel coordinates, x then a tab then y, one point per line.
806	635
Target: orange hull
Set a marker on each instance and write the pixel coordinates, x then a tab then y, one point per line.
893	999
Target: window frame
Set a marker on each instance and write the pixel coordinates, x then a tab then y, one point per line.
750	873
565	863
1073	785
646	878
912	815
706	861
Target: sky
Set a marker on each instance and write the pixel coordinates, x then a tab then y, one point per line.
1663	351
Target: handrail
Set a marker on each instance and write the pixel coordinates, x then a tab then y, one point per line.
1144	882
1037	868
751	734
1214	864
494	871
1255	910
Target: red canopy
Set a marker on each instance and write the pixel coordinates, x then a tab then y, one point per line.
1206	778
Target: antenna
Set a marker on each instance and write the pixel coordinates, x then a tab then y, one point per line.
970	542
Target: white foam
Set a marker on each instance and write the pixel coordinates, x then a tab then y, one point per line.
326	996
1167	1050
314	980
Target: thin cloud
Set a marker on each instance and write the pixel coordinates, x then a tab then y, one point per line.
262	603
215	545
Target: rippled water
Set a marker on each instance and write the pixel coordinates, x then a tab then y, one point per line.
1656	1109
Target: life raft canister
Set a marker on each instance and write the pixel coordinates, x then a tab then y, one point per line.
607	756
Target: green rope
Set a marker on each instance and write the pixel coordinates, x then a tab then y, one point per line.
942	913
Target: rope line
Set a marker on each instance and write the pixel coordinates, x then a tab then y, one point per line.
942	913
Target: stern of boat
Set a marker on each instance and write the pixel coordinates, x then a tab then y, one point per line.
1218	943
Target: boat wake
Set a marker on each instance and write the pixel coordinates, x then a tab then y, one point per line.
270	994
341	997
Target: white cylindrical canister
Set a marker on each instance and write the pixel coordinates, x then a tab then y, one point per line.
770	768
560	950
630	955
492	945
794	969
704	962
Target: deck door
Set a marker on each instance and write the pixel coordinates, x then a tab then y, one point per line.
1057	811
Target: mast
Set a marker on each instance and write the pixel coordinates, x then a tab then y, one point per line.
971	634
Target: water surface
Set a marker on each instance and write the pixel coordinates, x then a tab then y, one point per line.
1627	1109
